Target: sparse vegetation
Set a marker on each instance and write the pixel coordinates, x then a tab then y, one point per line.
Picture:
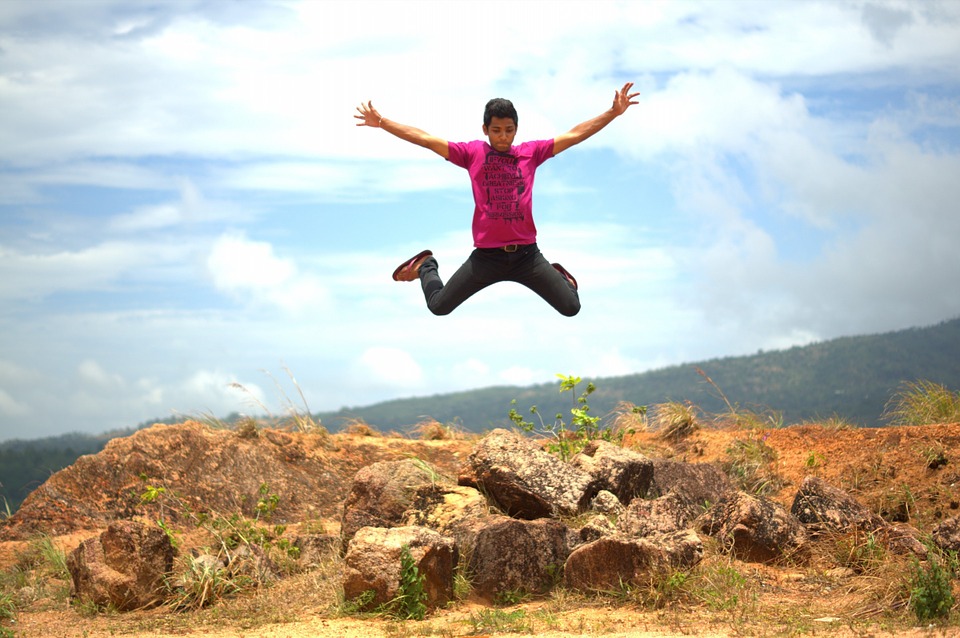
749	462
674	420
860	551
432	430
8	612
566	440
359	427
852	577
922	403
240	549
931	592
499	621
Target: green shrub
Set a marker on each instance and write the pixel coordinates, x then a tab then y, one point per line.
931	594
566	440
8	611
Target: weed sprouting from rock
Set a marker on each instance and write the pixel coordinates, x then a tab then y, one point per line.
565	440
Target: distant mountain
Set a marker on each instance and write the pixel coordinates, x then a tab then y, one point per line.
851	377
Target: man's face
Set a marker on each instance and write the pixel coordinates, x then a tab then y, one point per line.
501	132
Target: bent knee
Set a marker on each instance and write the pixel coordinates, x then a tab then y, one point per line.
570	309
439	311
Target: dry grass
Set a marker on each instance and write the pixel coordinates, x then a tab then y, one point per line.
921	403
430	429
674	420
359	427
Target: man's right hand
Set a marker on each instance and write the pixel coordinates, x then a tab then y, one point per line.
368	115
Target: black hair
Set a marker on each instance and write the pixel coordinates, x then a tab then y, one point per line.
499	107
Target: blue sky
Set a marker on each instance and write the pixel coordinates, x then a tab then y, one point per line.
185	202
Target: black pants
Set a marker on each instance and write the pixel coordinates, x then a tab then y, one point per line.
487	266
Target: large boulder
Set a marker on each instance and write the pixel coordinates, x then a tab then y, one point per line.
755	529
384	494
613	561
124	567
504	554
447	506
651	517
700	484
824	508
625	473
525	481
373	564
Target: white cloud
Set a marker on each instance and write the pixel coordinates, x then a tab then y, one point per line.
250	270
92	373
392	367
10	407
35	275
796	165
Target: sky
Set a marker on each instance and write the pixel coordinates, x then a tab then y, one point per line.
191	223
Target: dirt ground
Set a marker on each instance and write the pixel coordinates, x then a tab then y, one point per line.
908	474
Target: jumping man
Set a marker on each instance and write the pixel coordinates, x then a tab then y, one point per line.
504	235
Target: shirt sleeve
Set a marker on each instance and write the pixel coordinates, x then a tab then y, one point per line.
459	153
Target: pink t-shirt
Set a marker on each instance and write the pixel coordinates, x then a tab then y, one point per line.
502	189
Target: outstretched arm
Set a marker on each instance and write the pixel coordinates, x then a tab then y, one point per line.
369	116
622	100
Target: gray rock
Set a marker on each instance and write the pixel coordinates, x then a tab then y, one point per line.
700	484
755	529
666	514
946	535
525	481
608	563
625	473
824	508
505	554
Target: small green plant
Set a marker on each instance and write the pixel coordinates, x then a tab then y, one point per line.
567	440
510	597
8	611
931	593
357	605
5	511
720	587
814	461
922	403
499	621
410	602
861	552
53	558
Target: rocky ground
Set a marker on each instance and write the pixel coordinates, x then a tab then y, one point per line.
905	474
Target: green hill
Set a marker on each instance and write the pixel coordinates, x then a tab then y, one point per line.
851	377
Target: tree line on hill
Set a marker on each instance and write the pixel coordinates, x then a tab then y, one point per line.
850	378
